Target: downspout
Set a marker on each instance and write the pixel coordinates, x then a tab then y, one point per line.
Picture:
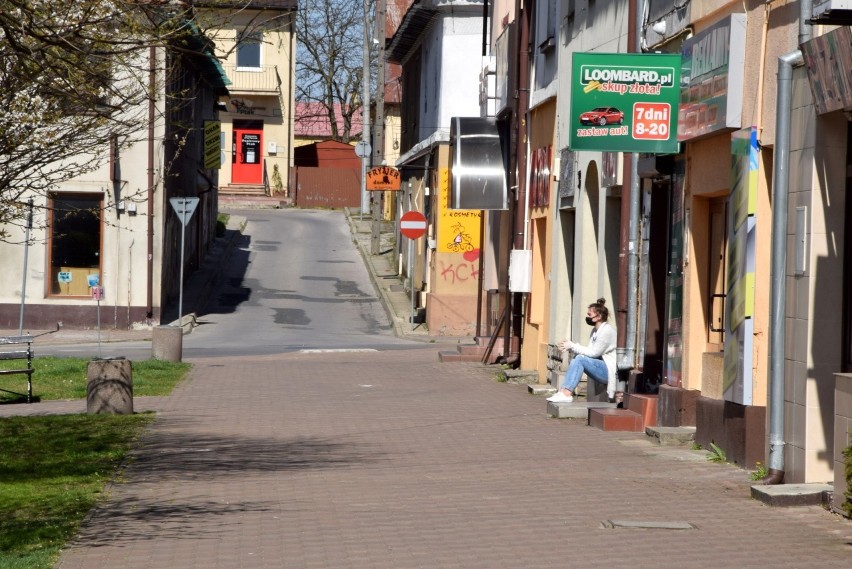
627	358
152	85
518	221
778	292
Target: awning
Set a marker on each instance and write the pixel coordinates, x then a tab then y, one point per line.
478	164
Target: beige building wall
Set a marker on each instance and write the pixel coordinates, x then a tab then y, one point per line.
267	94
814	297
584	264
539	240
454	247
124	238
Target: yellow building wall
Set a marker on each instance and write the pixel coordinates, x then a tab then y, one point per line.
536	325
454	262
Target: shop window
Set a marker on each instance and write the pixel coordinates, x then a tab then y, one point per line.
248	50
75	243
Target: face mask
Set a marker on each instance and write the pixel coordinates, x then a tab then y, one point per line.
590	321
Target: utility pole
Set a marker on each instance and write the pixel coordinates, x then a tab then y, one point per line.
379	136
365	109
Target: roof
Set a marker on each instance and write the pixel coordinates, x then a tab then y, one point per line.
250	4
410	19
312	120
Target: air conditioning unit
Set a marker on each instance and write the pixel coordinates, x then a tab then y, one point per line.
837	12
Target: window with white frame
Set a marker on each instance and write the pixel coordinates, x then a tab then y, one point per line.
248	49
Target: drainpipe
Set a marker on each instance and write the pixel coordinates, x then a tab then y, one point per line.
152	85
514	324
806	12
627	359
778	292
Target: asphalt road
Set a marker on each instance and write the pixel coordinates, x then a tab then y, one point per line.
295	281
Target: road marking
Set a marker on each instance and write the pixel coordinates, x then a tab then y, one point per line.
329	350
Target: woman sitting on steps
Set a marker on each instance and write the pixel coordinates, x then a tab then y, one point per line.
597	360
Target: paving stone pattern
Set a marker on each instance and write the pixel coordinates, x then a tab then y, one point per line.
391	460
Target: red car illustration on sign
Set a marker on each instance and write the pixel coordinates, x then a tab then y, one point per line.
602	116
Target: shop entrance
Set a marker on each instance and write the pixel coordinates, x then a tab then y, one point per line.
247	153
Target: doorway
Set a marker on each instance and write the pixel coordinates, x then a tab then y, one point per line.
718	242
247	153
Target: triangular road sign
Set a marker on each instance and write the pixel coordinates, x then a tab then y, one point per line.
184	208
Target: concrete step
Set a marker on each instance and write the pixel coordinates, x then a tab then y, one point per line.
521	376
576	410
541	389
471	349
242	189
784	495
671	436
237	201
643	404
447	356
609	419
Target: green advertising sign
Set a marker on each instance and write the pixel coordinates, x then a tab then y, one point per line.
625	102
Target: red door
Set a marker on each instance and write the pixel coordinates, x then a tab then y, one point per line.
247	154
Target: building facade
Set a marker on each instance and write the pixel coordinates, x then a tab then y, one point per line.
256	42
112	230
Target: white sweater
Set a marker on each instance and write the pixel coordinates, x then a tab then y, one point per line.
602	345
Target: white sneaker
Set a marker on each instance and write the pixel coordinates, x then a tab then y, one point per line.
560	397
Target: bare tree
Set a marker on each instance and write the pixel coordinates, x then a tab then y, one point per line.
75	82
329	62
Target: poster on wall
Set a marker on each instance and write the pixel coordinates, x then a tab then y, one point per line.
212	145
625	102
739	300
458	229
712	79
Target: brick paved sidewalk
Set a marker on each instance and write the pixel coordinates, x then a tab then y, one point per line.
392	460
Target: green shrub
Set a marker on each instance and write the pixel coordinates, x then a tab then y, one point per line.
221	224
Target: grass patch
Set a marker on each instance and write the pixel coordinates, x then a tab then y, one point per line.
52	471
717	454
760	472
222	224
65	378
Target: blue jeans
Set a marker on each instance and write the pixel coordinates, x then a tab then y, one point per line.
595	368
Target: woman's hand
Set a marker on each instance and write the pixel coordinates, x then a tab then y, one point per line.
565	345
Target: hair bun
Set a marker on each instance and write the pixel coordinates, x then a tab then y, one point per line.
601	301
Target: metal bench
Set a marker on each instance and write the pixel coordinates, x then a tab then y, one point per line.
11	348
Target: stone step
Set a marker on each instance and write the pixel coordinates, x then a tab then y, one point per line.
785	495
243	190
613	419
576	410
541	389
447	356
644	404
473	349
671	436
521	376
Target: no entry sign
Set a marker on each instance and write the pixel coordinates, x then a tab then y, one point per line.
412	224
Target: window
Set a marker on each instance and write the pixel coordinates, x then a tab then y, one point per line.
75	243
248	49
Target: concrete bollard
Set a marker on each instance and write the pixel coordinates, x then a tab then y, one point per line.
167	343
109	387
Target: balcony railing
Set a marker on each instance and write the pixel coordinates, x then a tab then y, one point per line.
264	79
